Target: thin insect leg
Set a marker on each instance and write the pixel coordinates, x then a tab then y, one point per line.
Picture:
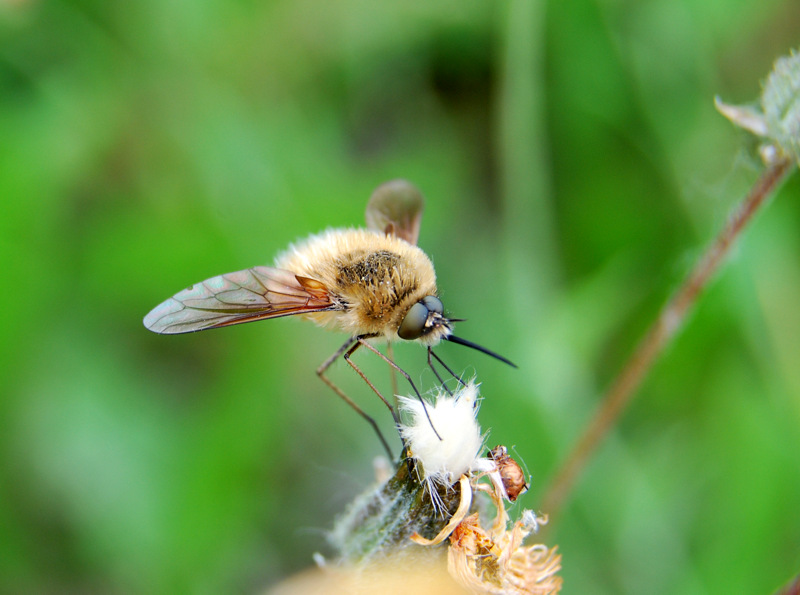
351	351
392	372
328	362
445	366
362	341
436	373
395	415
321	373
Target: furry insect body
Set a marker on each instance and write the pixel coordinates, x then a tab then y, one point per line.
373	279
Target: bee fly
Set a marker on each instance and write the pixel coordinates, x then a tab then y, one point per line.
370	283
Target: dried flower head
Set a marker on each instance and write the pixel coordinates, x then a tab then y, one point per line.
496	561
487	562
443	437
427	502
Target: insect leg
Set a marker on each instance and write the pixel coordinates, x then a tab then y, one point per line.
362	341
446	367
392	373
321	373
436	373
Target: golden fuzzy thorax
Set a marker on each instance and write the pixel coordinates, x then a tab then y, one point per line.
375	278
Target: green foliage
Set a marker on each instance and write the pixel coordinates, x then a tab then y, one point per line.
574	167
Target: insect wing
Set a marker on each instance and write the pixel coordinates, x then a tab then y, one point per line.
396	208
234	298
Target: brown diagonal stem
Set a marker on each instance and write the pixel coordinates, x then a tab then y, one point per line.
673	314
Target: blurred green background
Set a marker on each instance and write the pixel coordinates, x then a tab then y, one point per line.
574	168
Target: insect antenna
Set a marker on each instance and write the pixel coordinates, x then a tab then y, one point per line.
470	344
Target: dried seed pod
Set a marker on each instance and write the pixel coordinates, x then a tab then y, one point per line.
510	472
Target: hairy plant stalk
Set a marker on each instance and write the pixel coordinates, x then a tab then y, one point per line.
380	522
670	319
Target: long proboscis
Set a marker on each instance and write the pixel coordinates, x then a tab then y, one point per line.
460	341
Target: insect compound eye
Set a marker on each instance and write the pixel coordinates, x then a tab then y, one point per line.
433	304
414	321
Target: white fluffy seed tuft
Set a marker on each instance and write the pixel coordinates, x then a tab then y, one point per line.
443	459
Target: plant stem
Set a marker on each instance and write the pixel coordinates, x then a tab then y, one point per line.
792	588
673	314
381	521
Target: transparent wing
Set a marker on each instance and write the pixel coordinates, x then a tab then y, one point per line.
396	208
234	298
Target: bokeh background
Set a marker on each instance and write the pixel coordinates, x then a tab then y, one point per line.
574	168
